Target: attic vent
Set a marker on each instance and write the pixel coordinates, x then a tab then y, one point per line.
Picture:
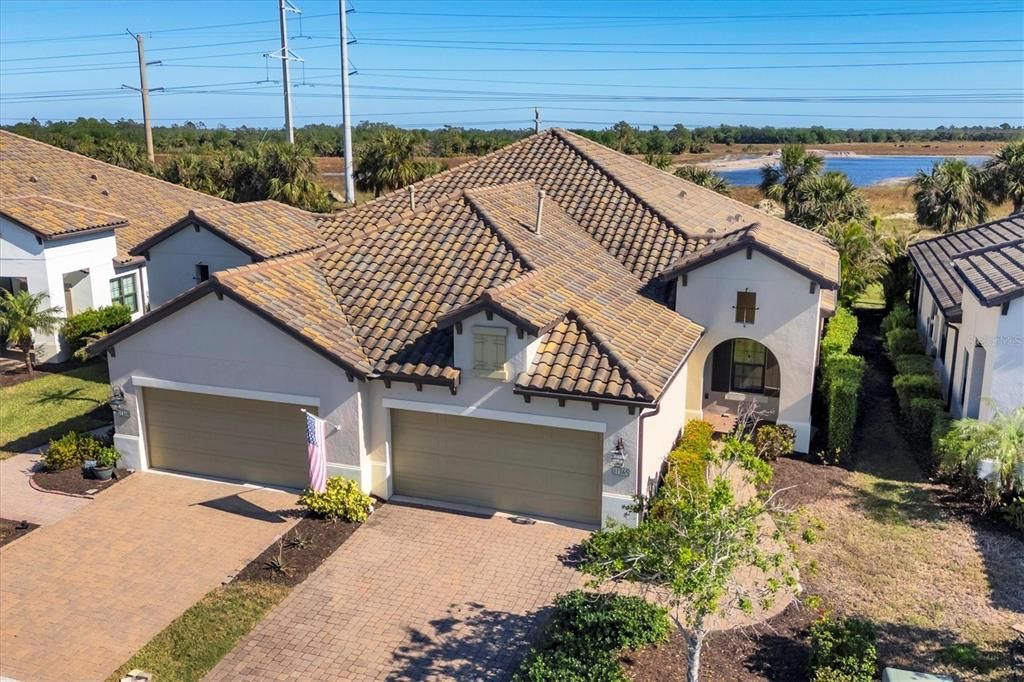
33	178
712	230
105	192
94	176
682	194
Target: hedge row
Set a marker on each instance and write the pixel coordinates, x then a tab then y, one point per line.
94	321
688	461
917	390
841	376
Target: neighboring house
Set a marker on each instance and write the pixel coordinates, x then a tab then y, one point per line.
526	332
211	239
68	224
969	299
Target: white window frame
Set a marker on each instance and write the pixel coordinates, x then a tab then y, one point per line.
135	290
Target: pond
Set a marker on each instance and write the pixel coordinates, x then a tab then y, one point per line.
862	170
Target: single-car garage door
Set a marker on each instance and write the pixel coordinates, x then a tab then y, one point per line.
235	438
536	470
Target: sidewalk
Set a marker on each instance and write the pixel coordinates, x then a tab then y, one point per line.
21	502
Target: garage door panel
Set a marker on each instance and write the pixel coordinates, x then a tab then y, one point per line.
536	470
236	438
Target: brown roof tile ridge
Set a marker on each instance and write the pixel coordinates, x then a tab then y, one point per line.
118	169
1009	244
570	139
446	172
118	219
270	263
494	224
606	347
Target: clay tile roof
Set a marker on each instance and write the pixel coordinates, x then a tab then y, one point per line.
934	258
49	217
994	273
28	167
263	229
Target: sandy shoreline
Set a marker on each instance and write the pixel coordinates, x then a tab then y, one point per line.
732	163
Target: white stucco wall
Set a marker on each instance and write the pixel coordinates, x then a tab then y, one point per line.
217	346
787	322
1002	377
660	429
172	262
44	266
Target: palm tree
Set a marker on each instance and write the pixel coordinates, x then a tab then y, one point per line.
23	313
779	181
388	161
659	161
705	178
124	154
1005	171
950	196
863	256
820	200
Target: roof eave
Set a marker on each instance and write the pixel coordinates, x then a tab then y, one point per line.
581	397
674	271
192	219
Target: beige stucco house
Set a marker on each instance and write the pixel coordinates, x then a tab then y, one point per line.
527	332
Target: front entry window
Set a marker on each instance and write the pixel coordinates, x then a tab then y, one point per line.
748	366
745	366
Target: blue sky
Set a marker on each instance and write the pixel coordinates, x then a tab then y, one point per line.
487	63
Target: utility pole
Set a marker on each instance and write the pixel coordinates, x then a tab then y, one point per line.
536	120
286	55
143	89
346	107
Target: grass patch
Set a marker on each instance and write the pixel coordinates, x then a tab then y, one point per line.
34	411
190	646
873	298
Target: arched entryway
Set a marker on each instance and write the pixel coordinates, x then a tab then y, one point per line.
740	373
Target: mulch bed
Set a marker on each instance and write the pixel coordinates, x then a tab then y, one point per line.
73	482
803	481
12	530
299	552
775	650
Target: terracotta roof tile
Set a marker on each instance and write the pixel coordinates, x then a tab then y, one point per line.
49	217
28	167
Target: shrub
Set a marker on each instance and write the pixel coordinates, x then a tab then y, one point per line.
841	366
940	427
772	441
923	413
687	463
341	500
901	316
71	449
1001	439
910	386
106	457
842	412
585	634
839	333
843	650
94	322
913	363
901	341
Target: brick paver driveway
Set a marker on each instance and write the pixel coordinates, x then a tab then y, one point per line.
415	594
79	597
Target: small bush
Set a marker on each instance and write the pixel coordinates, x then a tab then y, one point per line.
95	322
841	366
842	398
913	363
901	316
902	341
586	633
687	463
940	427
73	448
843	650
839	333
106	457
772	441
910	386
342	500
923	413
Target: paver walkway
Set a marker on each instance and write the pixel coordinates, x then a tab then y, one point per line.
21	502
415	594
80	596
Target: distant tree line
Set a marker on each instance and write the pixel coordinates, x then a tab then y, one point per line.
85	134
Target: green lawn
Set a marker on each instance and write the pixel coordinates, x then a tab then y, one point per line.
191	645
34	411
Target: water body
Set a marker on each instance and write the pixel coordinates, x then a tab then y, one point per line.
862	170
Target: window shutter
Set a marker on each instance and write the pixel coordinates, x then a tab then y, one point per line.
721	367
746	304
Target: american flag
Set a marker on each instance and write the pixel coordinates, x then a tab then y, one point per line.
315	433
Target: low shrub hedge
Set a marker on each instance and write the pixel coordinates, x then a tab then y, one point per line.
688	461
342	500
910	386
842	399
903	341
94	321
841	365
843	650
913	363
586	633
900	316
772	441
923	413
840	331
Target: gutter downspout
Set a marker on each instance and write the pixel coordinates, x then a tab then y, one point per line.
640	449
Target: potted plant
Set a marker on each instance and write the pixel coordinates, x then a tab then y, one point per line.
106	459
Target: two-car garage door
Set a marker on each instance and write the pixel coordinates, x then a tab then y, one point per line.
536	470
233	438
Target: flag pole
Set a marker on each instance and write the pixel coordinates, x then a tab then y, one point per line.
316	416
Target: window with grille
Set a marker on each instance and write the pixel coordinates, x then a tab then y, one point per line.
122	291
